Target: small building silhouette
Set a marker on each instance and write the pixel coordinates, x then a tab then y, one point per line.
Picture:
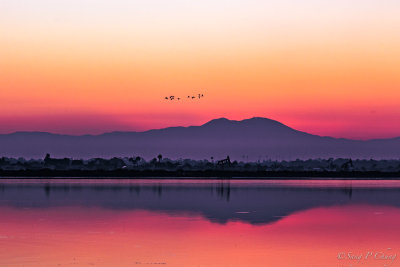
224	162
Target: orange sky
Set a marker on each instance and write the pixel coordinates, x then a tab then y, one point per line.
90	67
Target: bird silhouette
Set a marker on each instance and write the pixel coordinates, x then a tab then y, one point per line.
179	98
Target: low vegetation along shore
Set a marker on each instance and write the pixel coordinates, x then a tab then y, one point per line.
137	167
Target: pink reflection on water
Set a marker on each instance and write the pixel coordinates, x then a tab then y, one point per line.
73	236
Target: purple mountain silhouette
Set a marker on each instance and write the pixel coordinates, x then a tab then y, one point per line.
250	139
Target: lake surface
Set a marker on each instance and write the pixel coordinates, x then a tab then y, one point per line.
199	223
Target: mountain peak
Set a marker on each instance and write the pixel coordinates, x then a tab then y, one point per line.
218	121
260	120
255	121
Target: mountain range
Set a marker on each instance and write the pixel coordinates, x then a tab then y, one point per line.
250	139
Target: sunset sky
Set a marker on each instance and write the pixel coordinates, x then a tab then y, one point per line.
92	66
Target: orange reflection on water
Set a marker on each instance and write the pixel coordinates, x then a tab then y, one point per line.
104	237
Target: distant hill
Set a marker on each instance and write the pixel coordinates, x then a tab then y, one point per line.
250	139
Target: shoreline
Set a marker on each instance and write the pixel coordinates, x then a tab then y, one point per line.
197	175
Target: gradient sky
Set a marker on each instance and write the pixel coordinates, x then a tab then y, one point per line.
93	66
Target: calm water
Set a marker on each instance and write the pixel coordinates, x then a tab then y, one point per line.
199	223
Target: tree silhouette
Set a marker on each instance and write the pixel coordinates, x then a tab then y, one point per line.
159	157
47	158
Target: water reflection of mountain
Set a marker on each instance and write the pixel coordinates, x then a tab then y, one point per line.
219	202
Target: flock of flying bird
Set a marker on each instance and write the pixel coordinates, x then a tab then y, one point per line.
178	98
